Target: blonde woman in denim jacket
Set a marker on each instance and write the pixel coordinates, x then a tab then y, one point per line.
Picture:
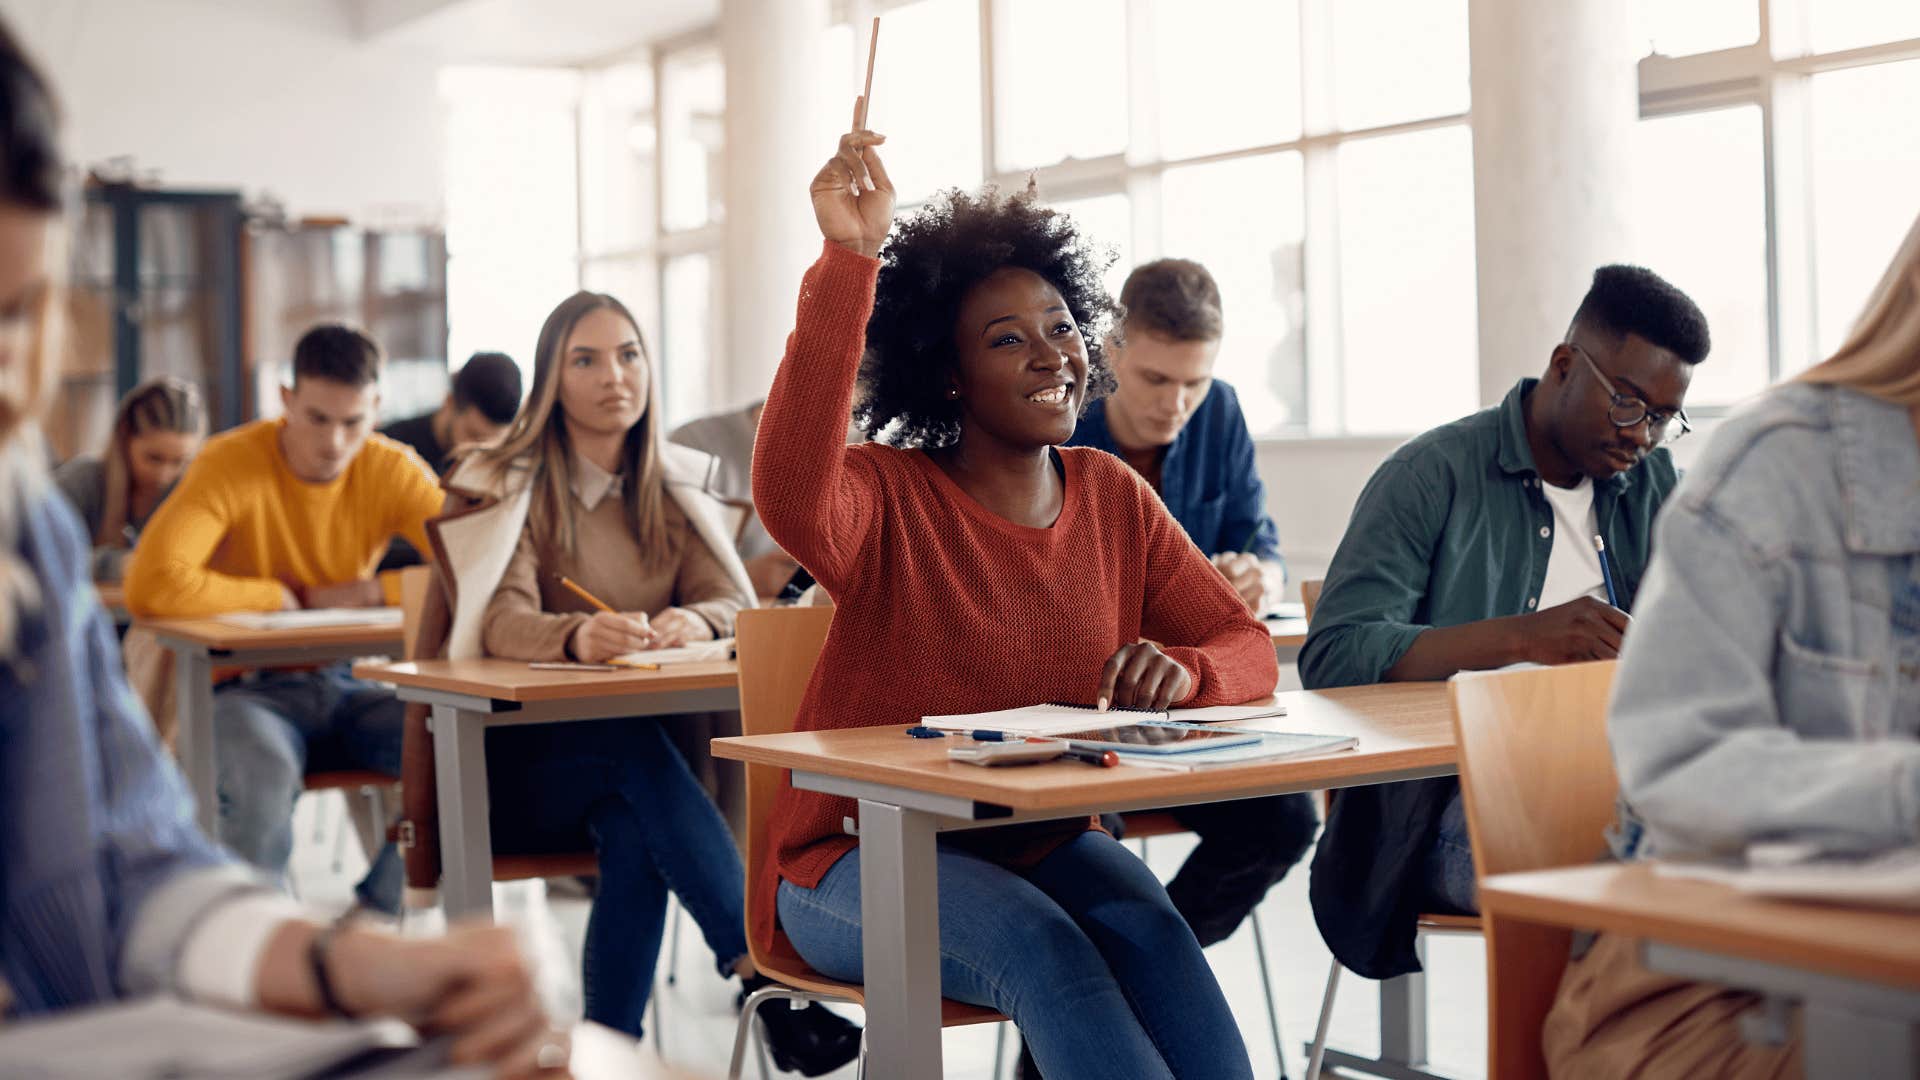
1771	688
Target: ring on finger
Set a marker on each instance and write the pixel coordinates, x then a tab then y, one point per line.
552	1055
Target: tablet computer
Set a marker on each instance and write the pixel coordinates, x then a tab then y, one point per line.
1152	738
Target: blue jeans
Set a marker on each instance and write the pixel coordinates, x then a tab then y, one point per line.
619	788
1084	952
1448	873
270	730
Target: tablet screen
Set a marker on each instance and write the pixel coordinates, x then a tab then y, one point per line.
1151	735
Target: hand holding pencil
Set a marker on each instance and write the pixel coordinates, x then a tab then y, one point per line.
607	633
852	194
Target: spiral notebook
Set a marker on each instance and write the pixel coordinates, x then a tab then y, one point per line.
1057	719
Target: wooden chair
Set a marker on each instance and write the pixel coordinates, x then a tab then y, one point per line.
1539	786
777	648
374	786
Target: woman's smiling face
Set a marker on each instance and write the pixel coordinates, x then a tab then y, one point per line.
1022	371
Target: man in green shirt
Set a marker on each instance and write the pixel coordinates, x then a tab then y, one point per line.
1517	534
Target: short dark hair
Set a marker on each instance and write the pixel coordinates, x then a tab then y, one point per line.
337	352
30	164
1173	298
1634	300
490	382
933	258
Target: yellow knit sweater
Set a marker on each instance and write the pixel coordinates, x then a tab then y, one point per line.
240	525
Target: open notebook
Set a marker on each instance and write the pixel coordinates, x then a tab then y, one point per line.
309	618
685	654
1055	719
1271	746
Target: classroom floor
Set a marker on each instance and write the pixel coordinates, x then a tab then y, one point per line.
697	1016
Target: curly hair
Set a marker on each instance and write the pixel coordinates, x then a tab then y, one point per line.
930	262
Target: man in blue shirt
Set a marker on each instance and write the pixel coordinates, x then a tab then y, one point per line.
1182	430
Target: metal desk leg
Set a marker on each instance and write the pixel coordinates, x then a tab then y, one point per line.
1844	1043
193	732
466	835
900	939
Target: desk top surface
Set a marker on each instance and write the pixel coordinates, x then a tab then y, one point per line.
1287	633
1401	727
223	636
513	680
1871	944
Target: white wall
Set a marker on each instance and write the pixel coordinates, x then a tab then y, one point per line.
267	96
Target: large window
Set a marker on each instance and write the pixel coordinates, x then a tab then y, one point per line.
1777	169
1351	137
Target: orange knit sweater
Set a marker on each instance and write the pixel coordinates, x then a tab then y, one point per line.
945	607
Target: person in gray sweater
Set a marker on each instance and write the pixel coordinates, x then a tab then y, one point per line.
156	431
1770	691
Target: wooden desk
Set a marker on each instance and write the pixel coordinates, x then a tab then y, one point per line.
113	597
1854	971
909	792
470	696
201	645
1288	634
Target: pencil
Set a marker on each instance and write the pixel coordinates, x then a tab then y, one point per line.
568	583
1252	536
866	95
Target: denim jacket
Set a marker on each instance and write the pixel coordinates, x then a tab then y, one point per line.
1770	690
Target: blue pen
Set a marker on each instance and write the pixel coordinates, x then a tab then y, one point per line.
921	731
999	736
1606	572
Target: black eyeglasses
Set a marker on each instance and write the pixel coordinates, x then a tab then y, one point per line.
1627	411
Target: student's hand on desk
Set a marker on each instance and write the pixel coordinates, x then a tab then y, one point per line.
1244	572
1581	629
471	984
609	634
1140	676
852	195
345	594
675	627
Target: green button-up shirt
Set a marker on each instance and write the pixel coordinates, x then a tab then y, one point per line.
1453	529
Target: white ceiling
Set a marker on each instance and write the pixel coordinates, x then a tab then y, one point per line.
533	32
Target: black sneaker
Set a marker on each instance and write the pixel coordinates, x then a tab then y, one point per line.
811	1041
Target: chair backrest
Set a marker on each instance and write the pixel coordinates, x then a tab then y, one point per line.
777	647
1537	779
414	583
1310	595
1535	769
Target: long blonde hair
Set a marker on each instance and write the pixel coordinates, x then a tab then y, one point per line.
538	437
161	404
1881	356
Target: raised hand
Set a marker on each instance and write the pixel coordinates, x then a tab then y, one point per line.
852	194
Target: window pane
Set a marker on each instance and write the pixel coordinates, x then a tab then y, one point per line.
926	96
1695	26
1246	93
619	137
688	333
1848	24
1244	221
1700	222
1407	320
1107	221
693	92
1062	69
1866	185
1397	60
497	303
633	281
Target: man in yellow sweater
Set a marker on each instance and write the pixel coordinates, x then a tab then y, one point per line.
289	513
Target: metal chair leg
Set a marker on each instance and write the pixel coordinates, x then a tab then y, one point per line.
1319	1049
673	940
860	1063
999	1049
1266	984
